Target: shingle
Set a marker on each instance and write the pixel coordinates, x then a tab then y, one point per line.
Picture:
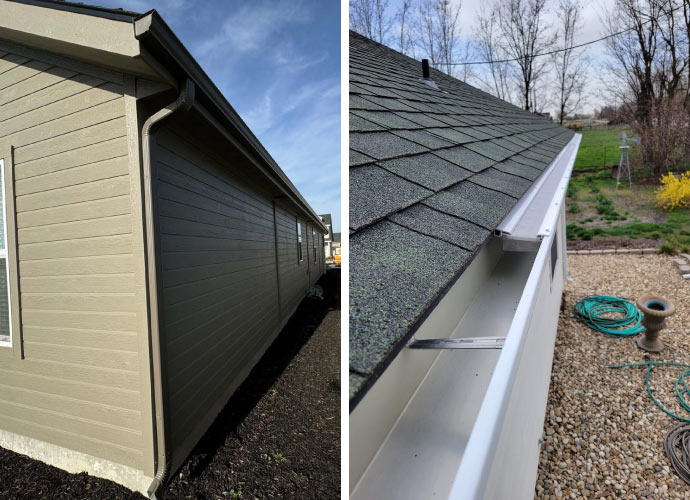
493	151
356	102
452	135
423	138
529	161
383	145
465	158
390	104
507	145
359	124
356	382
510	167
473	203
375	193
473	133
359	159
385	119
500	181
422	119
399	274
448	120
377	91
445	227
426	169
536	156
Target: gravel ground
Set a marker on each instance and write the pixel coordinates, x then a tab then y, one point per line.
604	437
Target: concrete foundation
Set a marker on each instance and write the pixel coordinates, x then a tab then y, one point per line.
74	462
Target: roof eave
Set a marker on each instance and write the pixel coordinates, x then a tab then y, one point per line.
161	43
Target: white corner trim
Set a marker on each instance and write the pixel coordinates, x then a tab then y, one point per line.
75	462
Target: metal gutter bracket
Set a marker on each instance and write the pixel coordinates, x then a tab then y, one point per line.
461	343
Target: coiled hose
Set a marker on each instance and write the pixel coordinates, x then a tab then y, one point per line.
677	446
594	311
677	442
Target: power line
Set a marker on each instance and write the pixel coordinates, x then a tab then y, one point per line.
470	63
539	55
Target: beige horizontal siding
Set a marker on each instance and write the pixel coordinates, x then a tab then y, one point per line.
79	383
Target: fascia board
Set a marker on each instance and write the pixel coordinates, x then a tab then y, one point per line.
88	38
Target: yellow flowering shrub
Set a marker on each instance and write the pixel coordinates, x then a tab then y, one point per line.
674	192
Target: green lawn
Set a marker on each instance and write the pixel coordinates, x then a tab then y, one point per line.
596	209
598	148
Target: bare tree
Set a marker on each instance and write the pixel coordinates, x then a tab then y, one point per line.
438	32
570	64
404	27
526	34
489	47
370	18
448	32
633	52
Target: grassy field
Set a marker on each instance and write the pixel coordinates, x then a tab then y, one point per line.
598	148
596	209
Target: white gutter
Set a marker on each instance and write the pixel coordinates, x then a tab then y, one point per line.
472	476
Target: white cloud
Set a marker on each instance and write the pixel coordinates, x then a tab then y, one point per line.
252	26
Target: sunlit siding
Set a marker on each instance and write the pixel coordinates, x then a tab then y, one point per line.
78	386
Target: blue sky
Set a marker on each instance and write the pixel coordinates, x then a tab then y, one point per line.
278	64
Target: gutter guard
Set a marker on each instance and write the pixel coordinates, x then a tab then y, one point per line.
535	214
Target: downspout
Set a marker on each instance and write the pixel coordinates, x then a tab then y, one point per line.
184	102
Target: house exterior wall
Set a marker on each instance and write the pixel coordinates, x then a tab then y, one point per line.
229	278
75	375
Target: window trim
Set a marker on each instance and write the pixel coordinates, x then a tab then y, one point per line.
313	238
298	228
4	253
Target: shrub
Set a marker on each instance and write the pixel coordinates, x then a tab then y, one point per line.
674	192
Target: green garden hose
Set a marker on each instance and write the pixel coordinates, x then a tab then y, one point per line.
677	441
680	387
593	310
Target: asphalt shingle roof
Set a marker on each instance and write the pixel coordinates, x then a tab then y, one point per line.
433	171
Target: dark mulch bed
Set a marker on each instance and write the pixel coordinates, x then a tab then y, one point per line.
612	242
278	436
24	478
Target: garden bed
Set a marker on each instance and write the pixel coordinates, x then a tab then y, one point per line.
278	436
597	211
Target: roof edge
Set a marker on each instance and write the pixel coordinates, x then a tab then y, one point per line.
89	10
152	31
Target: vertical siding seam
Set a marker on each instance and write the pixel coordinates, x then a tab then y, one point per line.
12	243
275	244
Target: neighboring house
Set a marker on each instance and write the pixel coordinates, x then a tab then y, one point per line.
336	244
151	251
327	238
457	231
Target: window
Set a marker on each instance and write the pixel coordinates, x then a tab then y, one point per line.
299	241
5	318
313	238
